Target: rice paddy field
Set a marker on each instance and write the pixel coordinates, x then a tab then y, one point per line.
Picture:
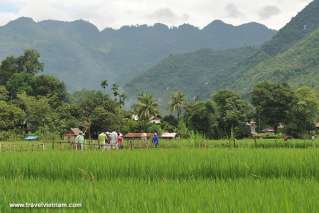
215	177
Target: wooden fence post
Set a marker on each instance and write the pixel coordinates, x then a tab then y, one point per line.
131	145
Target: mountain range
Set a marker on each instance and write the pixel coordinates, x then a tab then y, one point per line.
292	56
81	55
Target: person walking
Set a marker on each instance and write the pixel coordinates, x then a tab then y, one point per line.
144	139
120	141
155	140
114	139
108	137
80	141
102	140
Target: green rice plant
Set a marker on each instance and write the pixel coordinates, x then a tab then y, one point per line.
164	180
132	195
163	164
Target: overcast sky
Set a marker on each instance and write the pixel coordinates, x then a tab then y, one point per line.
115	13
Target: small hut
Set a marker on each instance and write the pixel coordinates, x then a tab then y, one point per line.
169	136
268	130
72	134
137	136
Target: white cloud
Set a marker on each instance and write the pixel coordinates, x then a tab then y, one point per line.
115	13
269	11
166	15
233	11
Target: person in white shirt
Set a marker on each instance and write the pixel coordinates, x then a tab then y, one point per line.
113	137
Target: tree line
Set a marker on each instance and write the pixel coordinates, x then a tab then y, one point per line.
31	101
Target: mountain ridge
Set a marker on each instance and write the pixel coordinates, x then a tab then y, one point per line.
244	74
80	54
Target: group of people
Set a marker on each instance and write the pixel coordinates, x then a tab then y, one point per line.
110	140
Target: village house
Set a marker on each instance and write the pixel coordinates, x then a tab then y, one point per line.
72	134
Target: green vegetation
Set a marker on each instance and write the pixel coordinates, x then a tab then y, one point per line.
298	28
291	56
33	102
195	74
146	107
188	180
296	66
36	103
170	196
79	54
191	174
162	164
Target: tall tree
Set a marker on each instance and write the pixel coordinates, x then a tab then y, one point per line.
11	116
115	90
8	68
4	94
103	120
273	103
96	109
29	62
122	99
146	107
202	117
20	82
49	86
233	111
304	113
38	112
104	85
177	103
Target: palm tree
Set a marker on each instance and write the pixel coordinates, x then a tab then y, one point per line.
115	89
123	98
146	107
104	85
177	103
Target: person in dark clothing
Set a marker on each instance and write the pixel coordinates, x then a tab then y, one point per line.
155	140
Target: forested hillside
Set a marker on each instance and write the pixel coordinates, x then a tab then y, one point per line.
177	73
297	66
81	55
299	27
292	55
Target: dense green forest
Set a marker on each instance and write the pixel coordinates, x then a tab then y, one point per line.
298	65
298	28
274	85
197	73
80	50
31	102
291	55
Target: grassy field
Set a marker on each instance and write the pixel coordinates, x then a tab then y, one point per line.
164	180
131	195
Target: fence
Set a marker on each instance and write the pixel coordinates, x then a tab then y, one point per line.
138	144
64	146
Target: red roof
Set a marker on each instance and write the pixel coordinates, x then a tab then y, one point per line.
69	134
73	132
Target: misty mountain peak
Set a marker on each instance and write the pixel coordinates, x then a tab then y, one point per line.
218	25
79	49
85	24
77	25
21	21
